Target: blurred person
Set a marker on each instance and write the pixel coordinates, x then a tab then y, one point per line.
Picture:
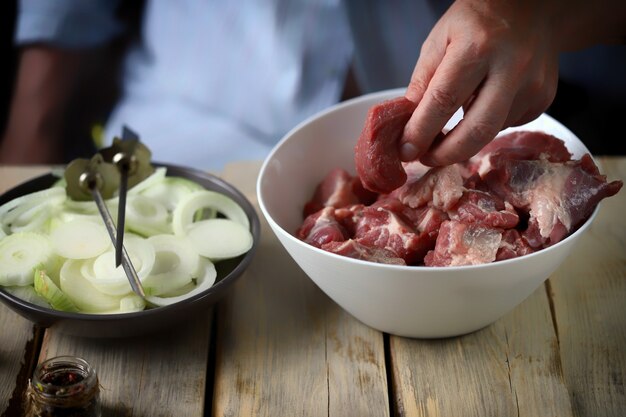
208	82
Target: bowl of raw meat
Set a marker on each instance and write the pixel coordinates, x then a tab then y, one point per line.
421	252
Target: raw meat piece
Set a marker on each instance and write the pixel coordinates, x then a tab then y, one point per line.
376	153
520	145
512	246
414	170
464	244
520	194
364	195
394	205
383	228
429	219
558	196
477	206
338	189
443	186
322	227
349	216
424	219
536	240
353	249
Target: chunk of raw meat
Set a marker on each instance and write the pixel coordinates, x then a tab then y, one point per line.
353	249
477	206
429	219
394	205
558	196
322	227
441	186
414	170
521	193
377	157
424	219
383	228
512	245
464	244
338	189
520	145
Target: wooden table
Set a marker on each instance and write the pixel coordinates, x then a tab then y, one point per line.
277	346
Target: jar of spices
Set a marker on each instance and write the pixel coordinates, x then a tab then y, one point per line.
64	386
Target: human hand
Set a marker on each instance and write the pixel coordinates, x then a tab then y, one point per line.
498	60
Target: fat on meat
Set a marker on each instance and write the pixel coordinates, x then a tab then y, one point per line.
460	244
512	245
442	187
382	227
557	195
476	206
354	249
519	145
520	194
429	219
322	227
414	170
338	189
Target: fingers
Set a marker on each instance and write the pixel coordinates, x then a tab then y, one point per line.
534	96
429	59
452	84
484	119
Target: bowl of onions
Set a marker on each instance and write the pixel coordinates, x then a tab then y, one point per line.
188	234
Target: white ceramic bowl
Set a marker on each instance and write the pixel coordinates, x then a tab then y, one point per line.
422	302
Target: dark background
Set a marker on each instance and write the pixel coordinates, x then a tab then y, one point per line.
8	11
594	118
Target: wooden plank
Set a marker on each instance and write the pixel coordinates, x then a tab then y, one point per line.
510	368
589	298
10	176
527	370
155	375
18	339
19	346
284	348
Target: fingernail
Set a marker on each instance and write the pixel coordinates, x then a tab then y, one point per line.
408	152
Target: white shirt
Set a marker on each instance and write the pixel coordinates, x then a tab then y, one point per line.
214	81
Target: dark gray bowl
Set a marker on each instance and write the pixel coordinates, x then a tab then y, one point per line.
147	321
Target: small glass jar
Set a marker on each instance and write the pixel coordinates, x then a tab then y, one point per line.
64	386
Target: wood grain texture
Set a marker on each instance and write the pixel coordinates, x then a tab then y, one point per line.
284	348
16	333
18	346
156	375
589	298
11	176
521	365
510	368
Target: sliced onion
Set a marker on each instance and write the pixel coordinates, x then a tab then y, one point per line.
220	238
112	280
184	214
84	295
203	283
80	239
176	263
20	254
